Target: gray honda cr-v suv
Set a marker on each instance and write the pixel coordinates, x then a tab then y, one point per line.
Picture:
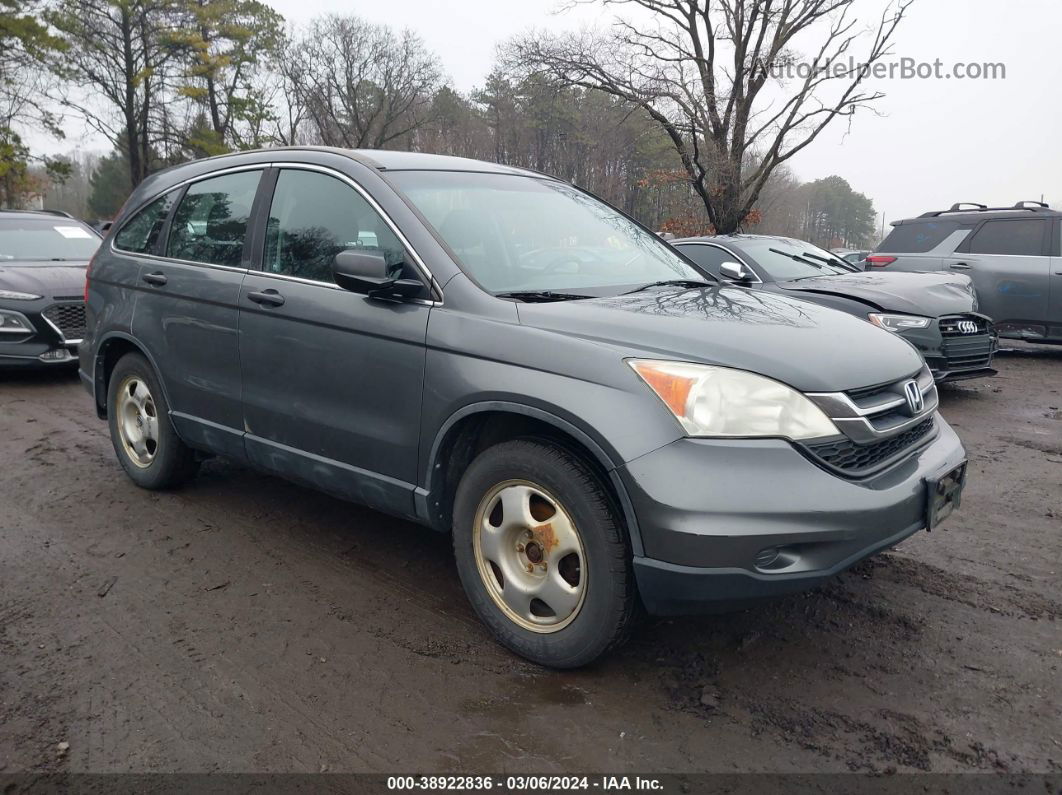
496	353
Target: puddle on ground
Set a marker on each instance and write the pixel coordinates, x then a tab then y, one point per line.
530	691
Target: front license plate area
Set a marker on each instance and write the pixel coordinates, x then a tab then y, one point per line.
944	495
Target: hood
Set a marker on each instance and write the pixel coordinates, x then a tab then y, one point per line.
810	347
49	279
926	294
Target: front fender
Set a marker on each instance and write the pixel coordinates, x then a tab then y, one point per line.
603	457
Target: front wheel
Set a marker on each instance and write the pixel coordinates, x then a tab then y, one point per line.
542	555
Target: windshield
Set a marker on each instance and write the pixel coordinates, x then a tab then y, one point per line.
46	239
785	260
523	234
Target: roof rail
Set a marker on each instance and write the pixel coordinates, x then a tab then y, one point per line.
981	208
61	213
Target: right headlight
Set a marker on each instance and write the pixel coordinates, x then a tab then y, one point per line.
722	401
14	323
12	295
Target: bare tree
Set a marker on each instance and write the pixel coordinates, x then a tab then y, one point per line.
118	53
362	85
707	71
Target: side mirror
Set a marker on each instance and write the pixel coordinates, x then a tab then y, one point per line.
735	271
367	272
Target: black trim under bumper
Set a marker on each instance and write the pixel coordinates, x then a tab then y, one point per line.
944	377
671	589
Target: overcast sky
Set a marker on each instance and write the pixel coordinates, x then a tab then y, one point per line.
936	142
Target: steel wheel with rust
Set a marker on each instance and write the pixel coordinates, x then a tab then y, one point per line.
529	555
541	553
143	437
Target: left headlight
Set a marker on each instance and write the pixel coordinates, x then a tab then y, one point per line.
14	323
898	322
11	295
721	401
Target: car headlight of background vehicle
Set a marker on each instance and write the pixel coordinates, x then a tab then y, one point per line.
14	323
11	295
721	401
898	322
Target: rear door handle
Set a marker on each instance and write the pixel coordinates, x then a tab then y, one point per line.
266	298
960	266
158	279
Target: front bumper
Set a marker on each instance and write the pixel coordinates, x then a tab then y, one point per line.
43	346
36	353
727	521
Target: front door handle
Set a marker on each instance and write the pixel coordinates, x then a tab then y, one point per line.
960	266
158	279
266	298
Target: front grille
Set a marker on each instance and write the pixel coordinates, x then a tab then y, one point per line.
951	326
967	344
859	395
856	459
69	319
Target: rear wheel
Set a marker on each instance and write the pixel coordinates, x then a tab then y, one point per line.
541	554
143	437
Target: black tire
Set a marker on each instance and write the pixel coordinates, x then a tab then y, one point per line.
608	606
171	461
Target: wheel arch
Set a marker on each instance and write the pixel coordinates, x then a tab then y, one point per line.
110	350
475	427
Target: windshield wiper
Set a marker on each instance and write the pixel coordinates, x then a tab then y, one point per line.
529	296
691	283
836	262
796	257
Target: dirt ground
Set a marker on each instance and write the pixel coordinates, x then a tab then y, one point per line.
245	624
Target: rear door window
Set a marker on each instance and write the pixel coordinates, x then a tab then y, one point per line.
210	223
140	234
1014	237
917	238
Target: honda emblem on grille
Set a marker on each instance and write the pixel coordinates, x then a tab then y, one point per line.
913	393
967	326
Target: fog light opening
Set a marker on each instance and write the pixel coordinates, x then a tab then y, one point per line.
766	557
775	559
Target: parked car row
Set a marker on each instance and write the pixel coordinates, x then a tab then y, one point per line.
1013	255
934	312
590	412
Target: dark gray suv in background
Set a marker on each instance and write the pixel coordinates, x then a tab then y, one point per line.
496	353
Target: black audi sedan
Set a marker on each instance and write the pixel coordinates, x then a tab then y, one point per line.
43	256
935	312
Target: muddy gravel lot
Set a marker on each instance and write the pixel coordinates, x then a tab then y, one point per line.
246	624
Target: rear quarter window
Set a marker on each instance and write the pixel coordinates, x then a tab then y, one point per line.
140	234
1023	238
917	238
